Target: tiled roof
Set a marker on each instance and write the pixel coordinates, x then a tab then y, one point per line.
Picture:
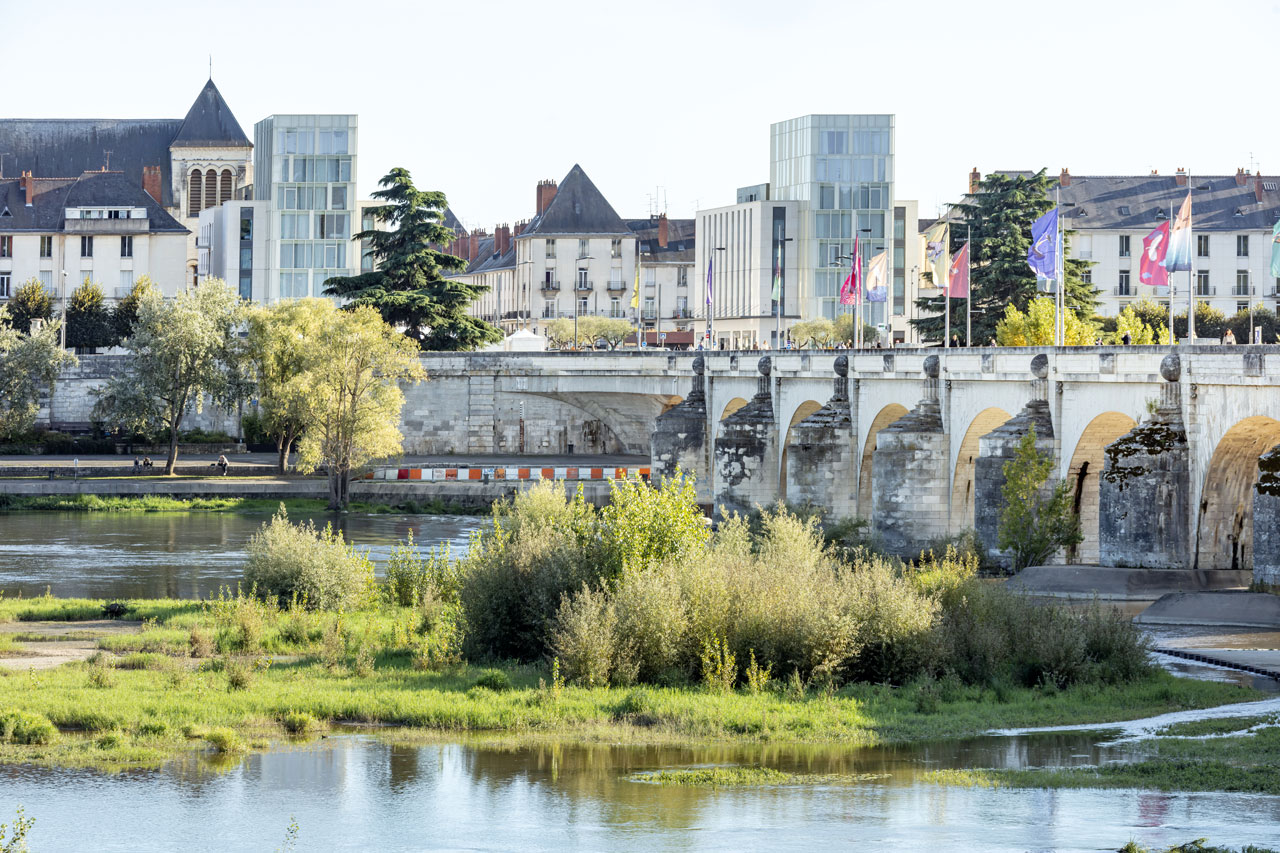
210	124
578	208
680	239
92	189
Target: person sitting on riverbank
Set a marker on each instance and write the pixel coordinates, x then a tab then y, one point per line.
222	465
146	462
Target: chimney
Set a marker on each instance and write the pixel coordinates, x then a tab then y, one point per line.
1257	188
1180	177
1240	177
546	192
664	231
1064	179
975	178
501	239
29	188
151	182
473	245
1154	172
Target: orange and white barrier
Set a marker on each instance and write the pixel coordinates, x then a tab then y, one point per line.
495	473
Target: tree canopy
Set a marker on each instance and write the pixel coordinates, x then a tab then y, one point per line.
29	364
1036	326
282	338
1000	215
89	321
31	301
612	330
408	288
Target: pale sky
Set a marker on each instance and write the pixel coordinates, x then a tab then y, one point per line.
483	99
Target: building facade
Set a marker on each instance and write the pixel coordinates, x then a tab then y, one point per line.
100	227
188	165
232	246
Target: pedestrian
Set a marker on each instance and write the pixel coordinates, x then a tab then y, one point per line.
222	465
955	342
146	462
137	463
1229	338
1126	339
992	343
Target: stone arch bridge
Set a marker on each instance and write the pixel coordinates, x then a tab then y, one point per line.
1172	458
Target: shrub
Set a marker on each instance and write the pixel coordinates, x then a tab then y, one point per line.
201	641
411	578
101	671
719	666
298	722
493	679
295	561
26	727
1038	517
224	740
643	524
239	673
757	678
585	637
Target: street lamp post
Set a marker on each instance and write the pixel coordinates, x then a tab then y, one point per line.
524	301
711	300
858	322
575	302
782	291
64	309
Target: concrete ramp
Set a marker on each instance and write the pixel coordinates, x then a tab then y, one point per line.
1242	609
1112	584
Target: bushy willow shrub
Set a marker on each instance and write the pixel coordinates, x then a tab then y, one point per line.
296	562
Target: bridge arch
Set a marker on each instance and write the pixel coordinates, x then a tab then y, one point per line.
808	407
883	418
1224	531
962	482
1085	473
731	407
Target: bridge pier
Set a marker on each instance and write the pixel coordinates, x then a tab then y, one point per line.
1145	490
821	453
999	446
679	440
746	451
909	494
1266	520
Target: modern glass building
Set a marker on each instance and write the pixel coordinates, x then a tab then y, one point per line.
306	166
840	168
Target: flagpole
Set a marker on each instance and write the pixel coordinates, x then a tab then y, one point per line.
1191	269
1059	303
968	303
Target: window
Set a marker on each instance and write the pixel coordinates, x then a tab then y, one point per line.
6	247
584	248
1202	284
1083	246
246	224
1202	245
295	226
338	198
46	279
582	305
1087	276
1122	289
682	306
1242	283
650	309
46	246
835	142
126	282
826	198
682	277
1124	245
4	287
86	246
1242	245
615	248
332	226
551	248
126	246
615	307
1242	306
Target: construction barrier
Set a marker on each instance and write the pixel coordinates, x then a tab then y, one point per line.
486	475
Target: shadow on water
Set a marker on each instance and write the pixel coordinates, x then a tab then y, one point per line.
174	555
353	792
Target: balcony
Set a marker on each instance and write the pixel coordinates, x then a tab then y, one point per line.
107	226
584	285
617	315
617	286
681	314
1122	290
550	287
1206	290
1242	290
649	314
549	312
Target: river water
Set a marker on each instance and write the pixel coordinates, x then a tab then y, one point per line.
174	554
355	792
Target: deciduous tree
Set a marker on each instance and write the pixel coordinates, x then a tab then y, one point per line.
180	355
819	332
281	342
31	301
1038	517
1036	326
88	319
408	288
29	363
126	310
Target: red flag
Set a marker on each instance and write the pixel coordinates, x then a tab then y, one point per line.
959	274
849	290
1154	246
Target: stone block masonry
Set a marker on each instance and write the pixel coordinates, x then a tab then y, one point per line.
679	443
821	454
1266	520
746	452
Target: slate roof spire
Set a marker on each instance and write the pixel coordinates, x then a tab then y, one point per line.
578	208
210	124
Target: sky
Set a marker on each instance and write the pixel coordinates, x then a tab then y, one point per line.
667	105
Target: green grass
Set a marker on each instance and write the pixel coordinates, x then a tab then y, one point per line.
1217	726
161	503
742	777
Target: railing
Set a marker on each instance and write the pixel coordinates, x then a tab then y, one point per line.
548	286
107	226
681	314
649	314
1206	290
617	286
1242	290
617	315
549	312
584	286
1122	290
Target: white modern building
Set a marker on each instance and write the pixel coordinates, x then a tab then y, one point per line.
305	167
100	227
231	245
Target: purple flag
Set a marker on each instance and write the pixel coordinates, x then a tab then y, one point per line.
709	260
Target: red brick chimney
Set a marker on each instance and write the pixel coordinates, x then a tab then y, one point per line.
1241	177
1257	188
501	239
975	178
473	245
664	230
1155	172
1180	177
1065	177
151	181
29	188
546	192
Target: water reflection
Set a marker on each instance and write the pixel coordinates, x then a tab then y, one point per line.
174	555
355	793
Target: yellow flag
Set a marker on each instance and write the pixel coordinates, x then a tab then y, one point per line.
937	251
635	296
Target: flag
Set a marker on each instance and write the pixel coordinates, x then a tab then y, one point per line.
1151	268
710	259
1275	250
635	297
937	250
849	290
777	273
1043	254
877	275
1178	255
959	274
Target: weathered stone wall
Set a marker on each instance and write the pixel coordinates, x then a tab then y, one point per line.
1145	492
679	443
746	452
821	454
1266	520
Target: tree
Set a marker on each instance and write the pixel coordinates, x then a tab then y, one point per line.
180	354
1262	318
31	301
819	332
126	310
29	364
89	324
352	407
1036	326
612	330
280	342
1140	333
1000	215
1210	322
1038	518
845	325
559	332
408	288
